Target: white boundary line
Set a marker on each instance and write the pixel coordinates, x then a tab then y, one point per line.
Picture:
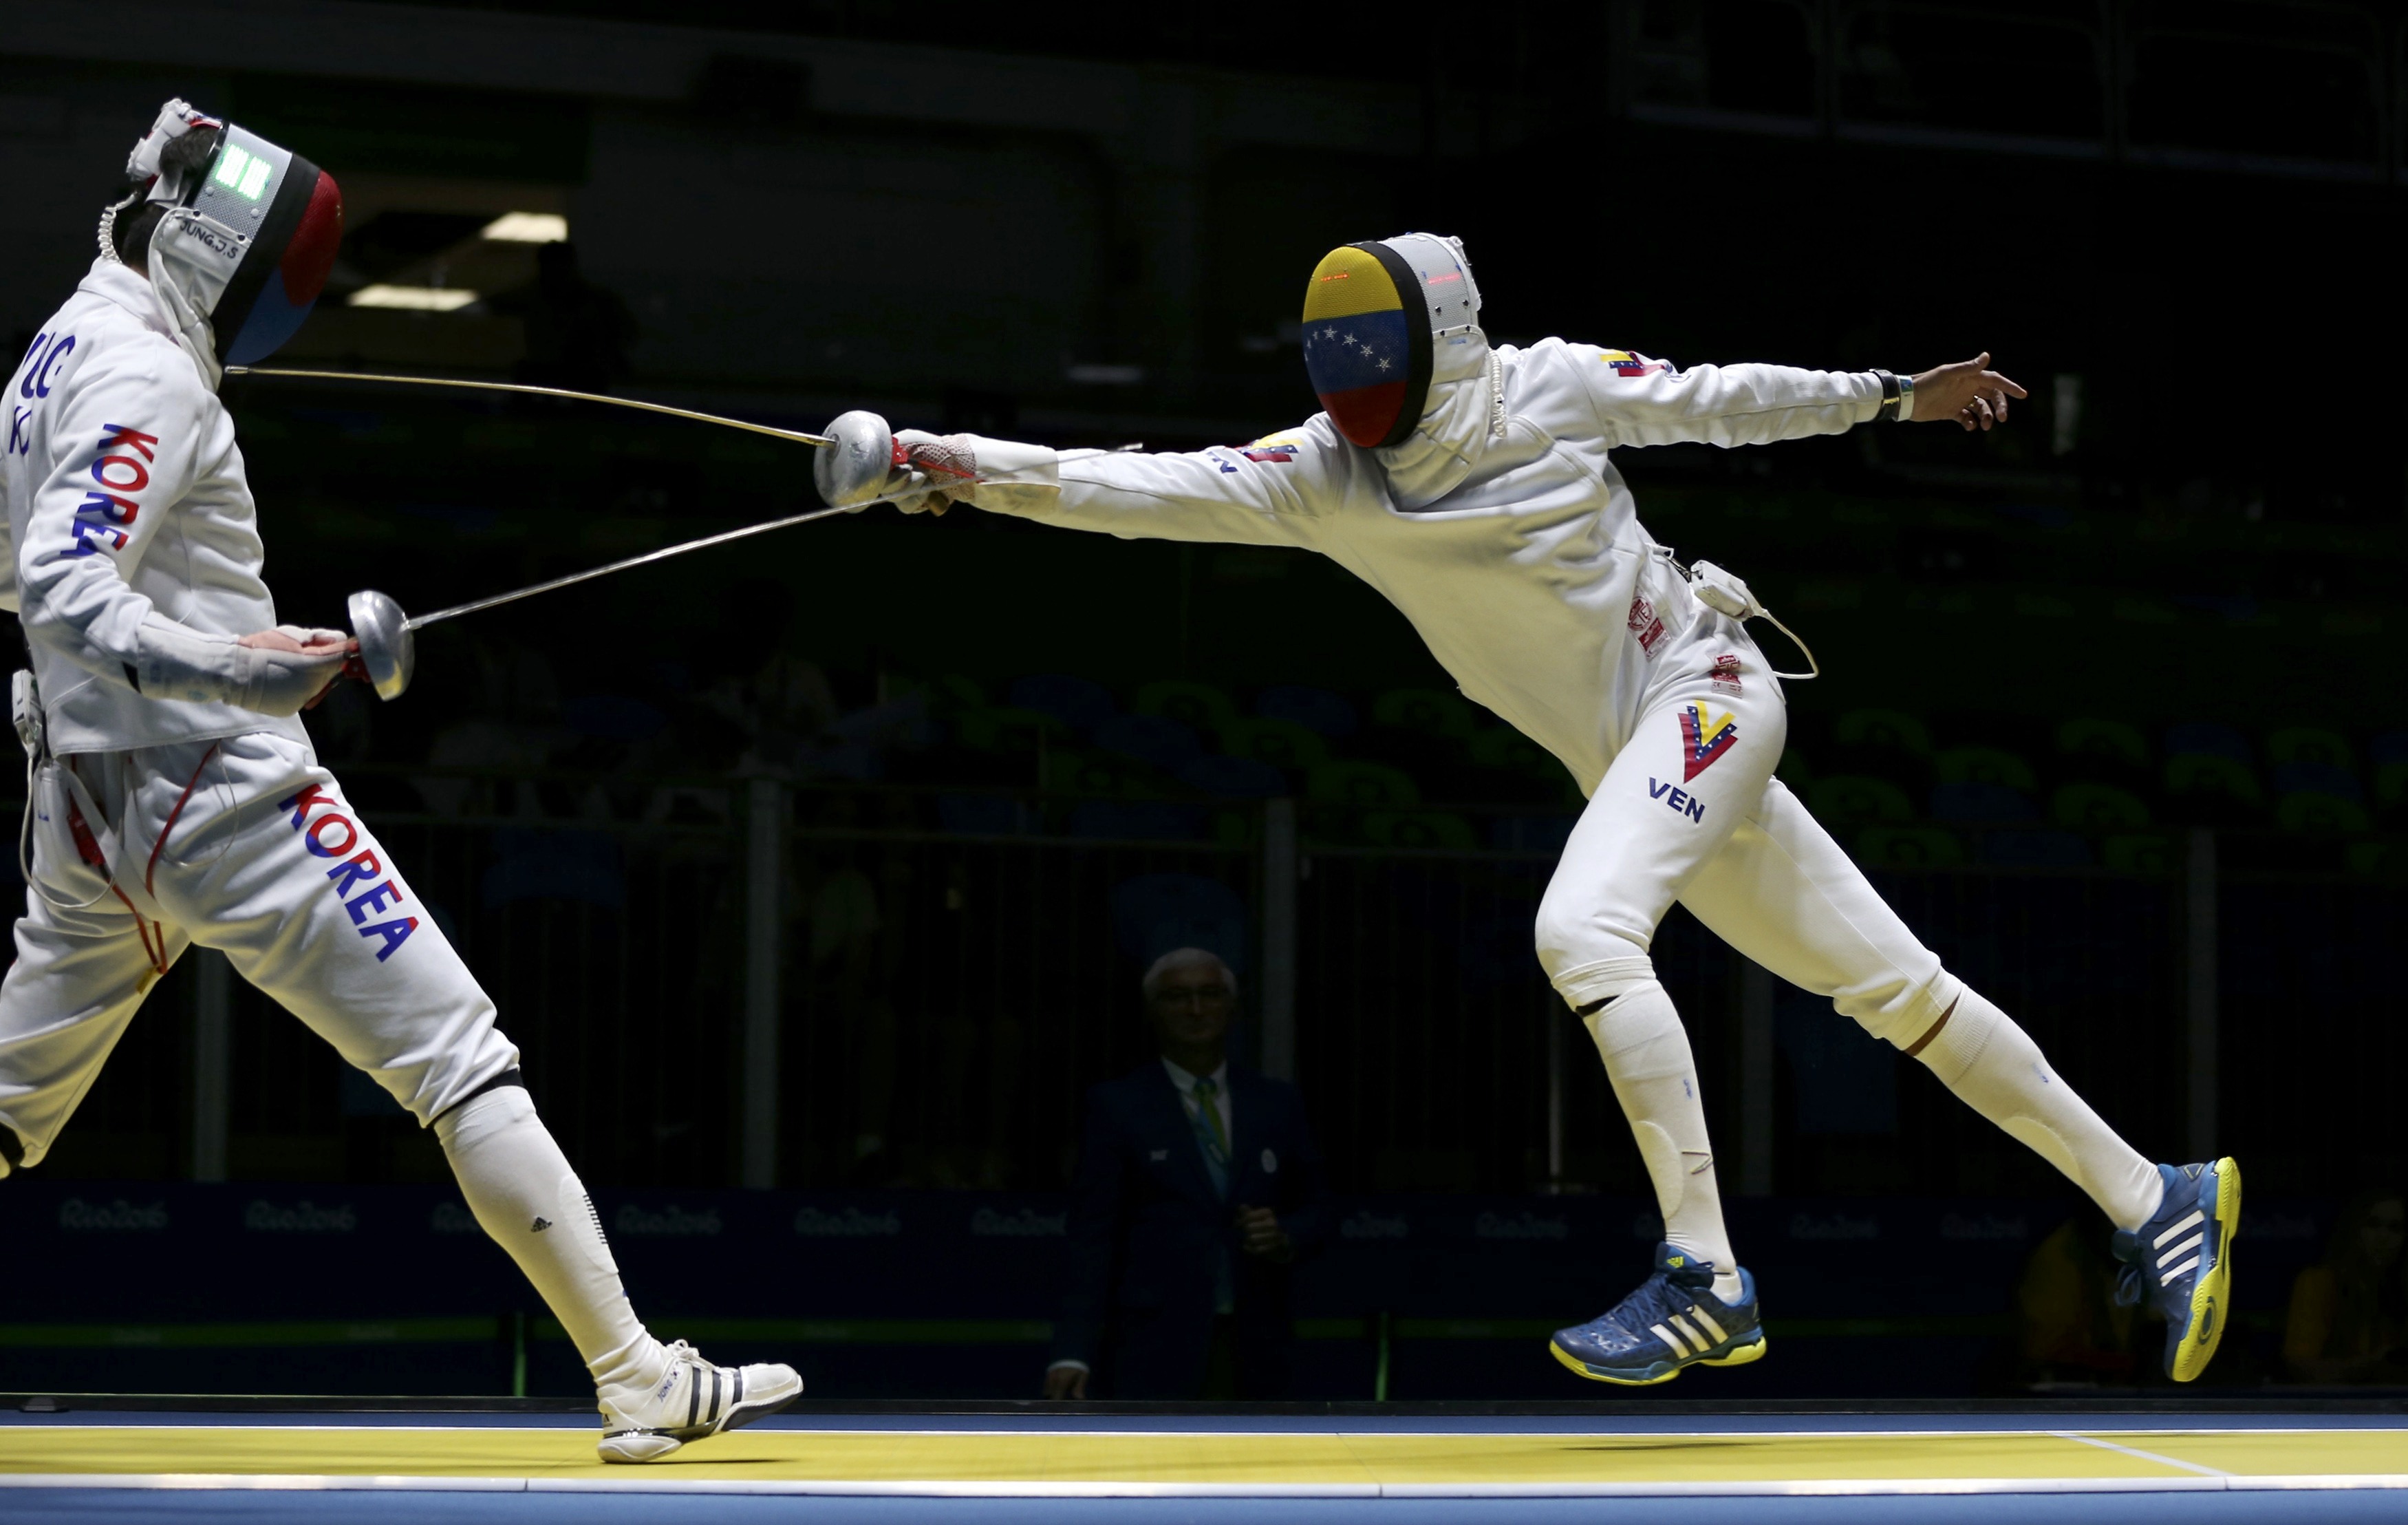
1844	1487
2145	1456
1051	1432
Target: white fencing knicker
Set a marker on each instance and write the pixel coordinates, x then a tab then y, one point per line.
244	844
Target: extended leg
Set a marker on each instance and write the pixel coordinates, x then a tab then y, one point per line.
523	1191
78	977
1697	761
1784	894
310	909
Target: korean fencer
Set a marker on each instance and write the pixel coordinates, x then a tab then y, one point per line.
176	796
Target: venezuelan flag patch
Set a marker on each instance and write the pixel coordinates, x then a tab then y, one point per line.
1367	343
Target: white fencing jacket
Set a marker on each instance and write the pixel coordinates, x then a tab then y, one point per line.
127	504
1501	529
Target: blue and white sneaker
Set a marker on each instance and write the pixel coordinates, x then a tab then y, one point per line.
1673	1320
2181	1262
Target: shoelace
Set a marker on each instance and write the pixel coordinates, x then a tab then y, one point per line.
1656	1301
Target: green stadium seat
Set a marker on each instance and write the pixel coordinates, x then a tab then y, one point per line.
2209	737
2321	813
2152	852
2098	807
2206	775
2391	787
2309	745
1847	800
1428	711
1503	747
2385	860
2109	741
1886	729
1986	764
1341	782
1794	771
962	692
1072	771
1420	829
1282	744
999	727
1908	847
1201	705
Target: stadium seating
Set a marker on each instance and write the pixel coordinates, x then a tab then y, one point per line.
1316	710
1200	707
1907	792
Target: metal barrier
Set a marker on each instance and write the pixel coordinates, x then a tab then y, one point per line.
753	982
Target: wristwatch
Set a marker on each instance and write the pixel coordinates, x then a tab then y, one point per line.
1897	397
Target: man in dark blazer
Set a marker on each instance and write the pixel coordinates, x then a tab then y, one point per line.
1198	1188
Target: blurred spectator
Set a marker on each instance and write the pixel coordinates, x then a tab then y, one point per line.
515	730
577	332
2072	1330
1198	1187
2349	1317
851	894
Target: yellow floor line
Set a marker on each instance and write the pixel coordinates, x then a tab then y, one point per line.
1042	1463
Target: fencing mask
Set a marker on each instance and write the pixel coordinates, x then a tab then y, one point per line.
1379	320
237	234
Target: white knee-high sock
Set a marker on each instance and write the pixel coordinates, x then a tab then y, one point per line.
1647	1054
1994	1067
524	1193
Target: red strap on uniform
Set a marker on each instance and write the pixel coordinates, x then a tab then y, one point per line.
151	869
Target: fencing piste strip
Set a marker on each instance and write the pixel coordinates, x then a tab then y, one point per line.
1994	1067
1646	1052
521	1189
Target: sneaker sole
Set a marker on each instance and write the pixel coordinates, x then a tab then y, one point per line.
652	1444
2211	1294
1740	1355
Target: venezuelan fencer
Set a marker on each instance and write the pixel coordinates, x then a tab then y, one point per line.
1475	487
176	797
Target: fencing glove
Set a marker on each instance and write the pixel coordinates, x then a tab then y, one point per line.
178	662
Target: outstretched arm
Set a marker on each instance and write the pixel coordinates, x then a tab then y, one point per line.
1643	401
1278	491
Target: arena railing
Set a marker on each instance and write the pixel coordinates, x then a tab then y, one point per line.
757	981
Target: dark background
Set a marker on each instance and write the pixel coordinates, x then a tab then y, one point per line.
2179	226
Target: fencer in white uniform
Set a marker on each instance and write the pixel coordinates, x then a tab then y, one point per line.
176	797
1474	486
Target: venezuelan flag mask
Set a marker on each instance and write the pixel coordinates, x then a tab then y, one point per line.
1370	316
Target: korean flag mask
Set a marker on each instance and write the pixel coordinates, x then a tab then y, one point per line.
246	236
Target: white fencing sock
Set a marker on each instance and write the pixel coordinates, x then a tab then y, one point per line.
1647	1054
1994	1067
523	1191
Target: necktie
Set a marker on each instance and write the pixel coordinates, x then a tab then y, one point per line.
1208	1117
1209	1137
